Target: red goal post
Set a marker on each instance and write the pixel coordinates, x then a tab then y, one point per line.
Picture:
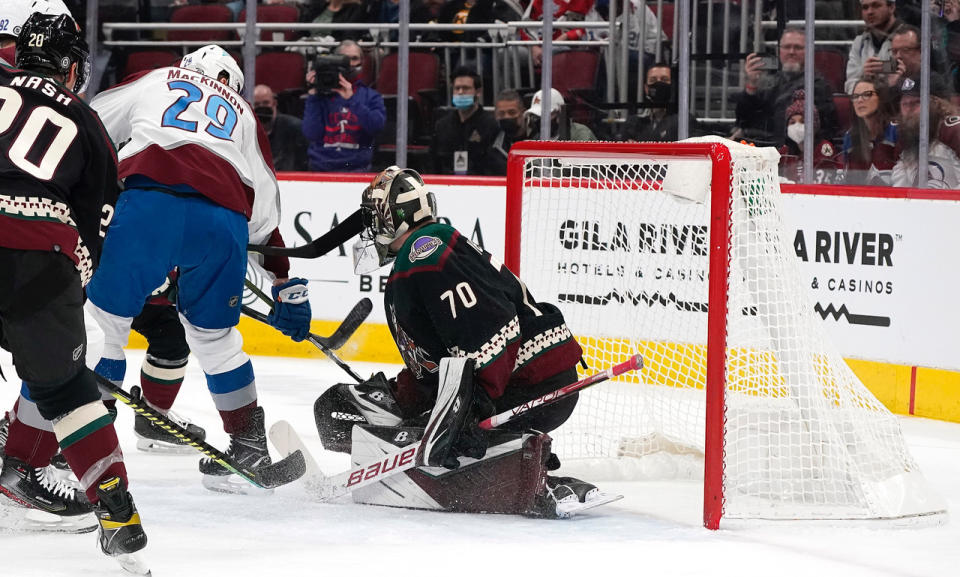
734	368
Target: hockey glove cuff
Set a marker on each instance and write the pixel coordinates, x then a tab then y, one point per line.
291	312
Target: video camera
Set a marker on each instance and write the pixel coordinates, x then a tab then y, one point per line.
328	69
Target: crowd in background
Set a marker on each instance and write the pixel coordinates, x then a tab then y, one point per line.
865	124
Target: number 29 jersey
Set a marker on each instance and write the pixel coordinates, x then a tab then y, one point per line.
179	127
58	170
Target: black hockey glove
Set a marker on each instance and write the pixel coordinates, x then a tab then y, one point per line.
472	441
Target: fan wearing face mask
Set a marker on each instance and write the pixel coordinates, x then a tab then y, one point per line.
463	137
287	144
657	120
826	161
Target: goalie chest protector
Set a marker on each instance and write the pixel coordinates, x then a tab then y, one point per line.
448	297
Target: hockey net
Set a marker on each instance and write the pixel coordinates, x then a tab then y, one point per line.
677	251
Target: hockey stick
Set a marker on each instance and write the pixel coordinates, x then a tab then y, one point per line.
338	235
338	338
284	471
316	341
407	457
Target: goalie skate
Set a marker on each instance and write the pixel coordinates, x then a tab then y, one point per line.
564	497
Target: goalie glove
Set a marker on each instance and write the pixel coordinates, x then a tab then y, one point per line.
291	309
342	406
453	430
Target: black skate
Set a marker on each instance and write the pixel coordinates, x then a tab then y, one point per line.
248	449
36	500
151	438
4	429
121	534
564	497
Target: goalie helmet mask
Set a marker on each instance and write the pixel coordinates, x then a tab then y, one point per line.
394	203
215	62
50	44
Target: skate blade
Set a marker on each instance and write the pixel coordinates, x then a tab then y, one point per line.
567	509
233	485
156	447
132	563
16	518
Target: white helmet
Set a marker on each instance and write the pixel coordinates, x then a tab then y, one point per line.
13	13
215	62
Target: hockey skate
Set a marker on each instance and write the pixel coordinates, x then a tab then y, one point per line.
121	534
153	439
564	497
249	449
4	429
36	500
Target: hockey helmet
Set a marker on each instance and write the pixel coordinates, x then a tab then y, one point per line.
215	62
50	44
14	13
394	203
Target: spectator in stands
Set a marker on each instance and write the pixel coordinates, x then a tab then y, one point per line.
463	137
825	164
341	123
465	12
287	143
658	122
512	119
951	19
905	47
871	49
762	106
568	130
943	164
869	147
342	12
564	11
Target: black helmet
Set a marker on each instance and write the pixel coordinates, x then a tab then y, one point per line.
50	44
395	202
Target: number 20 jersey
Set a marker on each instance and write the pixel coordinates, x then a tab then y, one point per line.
179	127
58	170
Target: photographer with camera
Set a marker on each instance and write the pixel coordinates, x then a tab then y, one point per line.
771	84
342	115
870	53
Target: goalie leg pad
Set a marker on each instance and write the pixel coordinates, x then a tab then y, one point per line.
506	480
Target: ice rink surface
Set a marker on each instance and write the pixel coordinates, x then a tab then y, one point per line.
654	531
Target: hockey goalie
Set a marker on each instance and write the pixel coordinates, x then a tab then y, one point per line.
472	335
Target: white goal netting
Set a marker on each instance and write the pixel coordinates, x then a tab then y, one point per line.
621	243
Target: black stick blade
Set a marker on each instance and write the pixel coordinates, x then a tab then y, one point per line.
350	324
286	470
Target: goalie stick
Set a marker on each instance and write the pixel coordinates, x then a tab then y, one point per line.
327	488
338	235
286	470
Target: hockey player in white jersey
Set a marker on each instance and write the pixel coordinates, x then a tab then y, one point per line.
199	186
